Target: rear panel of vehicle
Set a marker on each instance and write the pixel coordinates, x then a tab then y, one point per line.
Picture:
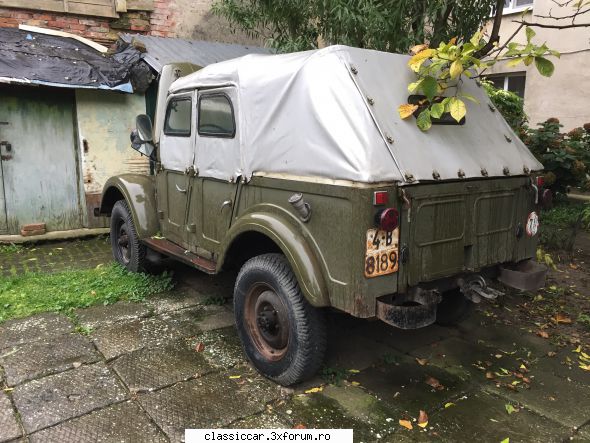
466	226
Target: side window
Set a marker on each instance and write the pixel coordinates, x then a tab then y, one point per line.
178	117
216	116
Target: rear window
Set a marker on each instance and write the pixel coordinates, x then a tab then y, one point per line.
216	116
178	117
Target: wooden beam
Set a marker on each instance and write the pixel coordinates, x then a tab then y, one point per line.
38	30
140	5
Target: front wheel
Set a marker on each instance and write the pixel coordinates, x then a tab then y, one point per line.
128	251
282	334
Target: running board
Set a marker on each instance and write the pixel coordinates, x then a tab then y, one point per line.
166	247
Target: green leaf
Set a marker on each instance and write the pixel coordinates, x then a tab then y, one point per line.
414	85
514	61
529	34
509	408
457	108
544	66
506	440
423	121
429	86
555	53
437	109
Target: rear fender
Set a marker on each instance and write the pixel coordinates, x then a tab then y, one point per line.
293	245
139	191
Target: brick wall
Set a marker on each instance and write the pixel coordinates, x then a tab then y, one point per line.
161	22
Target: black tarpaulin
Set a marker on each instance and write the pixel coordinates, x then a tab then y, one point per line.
28	57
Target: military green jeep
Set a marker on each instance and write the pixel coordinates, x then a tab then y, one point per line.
296	170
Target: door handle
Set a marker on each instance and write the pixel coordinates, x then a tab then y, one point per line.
180	190
6	145
224	204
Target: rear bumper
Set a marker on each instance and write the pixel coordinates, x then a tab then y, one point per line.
526	275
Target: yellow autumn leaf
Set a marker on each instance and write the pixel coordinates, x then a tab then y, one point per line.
418	48
416	61
578	349
354	371
406	110
355	383
585	367
457	108
449	404
406	424
233	377
423	419
314	390
456	69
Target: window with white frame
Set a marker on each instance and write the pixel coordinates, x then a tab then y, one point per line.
513	82
516	5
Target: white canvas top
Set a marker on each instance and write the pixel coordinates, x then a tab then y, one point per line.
308	114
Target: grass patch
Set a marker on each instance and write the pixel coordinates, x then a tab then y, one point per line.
560	225
31	293
11	248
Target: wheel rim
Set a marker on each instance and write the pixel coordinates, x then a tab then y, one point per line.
123	243
267	321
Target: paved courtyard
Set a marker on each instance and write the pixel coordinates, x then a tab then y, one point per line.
146	371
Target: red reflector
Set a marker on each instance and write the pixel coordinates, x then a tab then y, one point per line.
540	181
388	219
380	198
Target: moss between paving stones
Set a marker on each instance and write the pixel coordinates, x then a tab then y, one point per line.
28	294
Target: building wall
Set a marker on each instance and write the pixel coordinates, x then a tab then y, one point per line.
189	19
104	121
566	94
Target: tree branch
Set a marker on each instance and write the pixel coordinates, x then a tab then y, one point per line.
545	25
495	34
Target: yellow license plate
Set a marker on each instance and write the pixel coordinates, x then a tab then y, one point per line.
381	257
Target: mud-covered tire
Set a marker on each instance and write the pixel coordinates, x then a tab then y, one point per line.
453	309
282	334
127	249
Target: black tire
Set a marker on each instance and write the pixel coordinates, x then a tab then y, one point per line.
282	334
453	309
127	249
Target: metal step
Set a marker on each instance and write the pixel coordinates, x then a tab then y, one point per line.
166	247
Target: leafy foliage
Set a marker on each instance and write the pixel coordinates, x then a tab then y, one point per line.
27	294
388	25
560	225
566	156
510	105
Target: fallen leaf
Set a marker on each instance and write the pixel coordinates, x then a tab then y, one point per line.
354	371
418	48
300	426
449	404
543	334
406	424
233	377
406	110
526	380
314	390
355	383
509	408
200	347
552	354
523	368
562	318
421	361
490	375
434	383
498	355
506	440
578	349
423	419
76	364
585	367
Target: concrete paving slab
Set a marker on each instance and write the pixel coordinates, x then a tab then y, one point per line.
98	316
9	427
121	338
221	285
191	321
33	360
215	400
122	422
483	417
404	388
551	396
223	348
264	420
559	365
583	434
152	368
56	398
35	328
181	297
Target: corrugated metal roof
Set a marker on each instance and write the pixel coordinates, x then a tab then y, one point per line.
162	50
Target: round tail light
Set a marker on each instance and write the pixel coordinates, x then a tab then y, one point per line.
387	219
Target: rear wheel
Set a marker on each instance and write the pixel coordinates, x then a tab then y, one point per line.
453	309
282	334
127	249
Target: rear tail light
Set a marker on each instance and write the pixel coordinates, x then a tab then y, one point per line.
540	181
387	219
380	198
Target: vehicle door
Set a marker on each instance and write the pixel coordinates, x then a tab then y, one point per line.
217	160
176	154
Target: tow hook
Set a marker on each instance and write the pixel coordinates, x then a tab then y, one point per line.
475	287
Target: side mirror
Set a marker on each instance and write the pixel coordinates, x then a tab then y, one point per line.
144	128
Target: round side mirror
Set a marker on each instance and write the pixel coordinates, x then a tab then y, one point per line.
144	128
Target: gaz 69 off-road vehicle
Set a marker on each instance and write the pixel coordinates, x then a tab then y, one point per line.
297	170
